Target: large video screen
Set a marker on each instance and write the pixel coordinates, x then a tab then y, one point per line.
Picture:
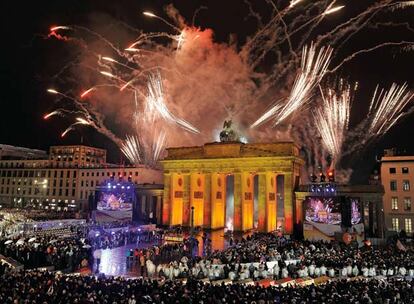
323	210
356	211
114	201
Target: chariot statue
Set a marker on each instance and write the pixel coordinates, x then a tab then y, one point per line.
228	134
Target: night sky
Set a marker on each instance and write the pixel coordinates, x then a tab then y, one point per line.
29	61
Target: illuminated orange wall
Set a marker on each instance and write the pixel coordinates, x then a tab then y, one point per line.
177	188
247	201
218	200
197	197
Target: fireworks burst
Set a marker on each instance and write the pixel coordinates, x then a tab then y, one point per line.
177	88
314	67
332	119
387	107
131	148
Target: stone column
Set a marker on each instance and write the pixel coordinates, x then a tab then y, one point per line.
197	197
218	200
166	206
247	201
381	218
288	202
271	206
207	201
158	212
237	219
262	202
142	207
186	200
177	185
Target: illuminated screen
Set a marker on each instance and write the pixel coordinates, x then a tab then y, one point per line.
114	201
323	210
356	215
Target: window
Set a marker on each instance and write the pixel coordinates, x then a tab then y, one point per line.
406	185
394	203
136	173
405	170
395	224
407	203
393	170
393	185
74	174
408	225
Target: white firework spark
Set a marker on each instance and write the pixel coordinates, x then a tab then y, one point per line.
387	107
332	119
314	66
156	101
132	149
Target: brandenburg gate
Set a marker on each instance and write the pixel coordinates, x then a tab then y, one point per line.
195	178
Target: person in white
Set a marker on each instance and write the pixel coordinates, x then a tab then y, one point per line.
365	271
323	270
312	269
384	271
276	271
305	271
344	271
349	270
403	271
372	272
217	273
331	272
150	268
411	272
285	273
317	272
355	271
390	272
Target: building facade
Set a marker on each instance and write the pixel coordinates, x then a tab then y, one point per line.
201	184
64	180
397	178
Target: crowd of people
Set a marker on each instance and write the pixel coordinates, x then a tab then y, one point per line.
175	273
46	287
266	256
60	253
